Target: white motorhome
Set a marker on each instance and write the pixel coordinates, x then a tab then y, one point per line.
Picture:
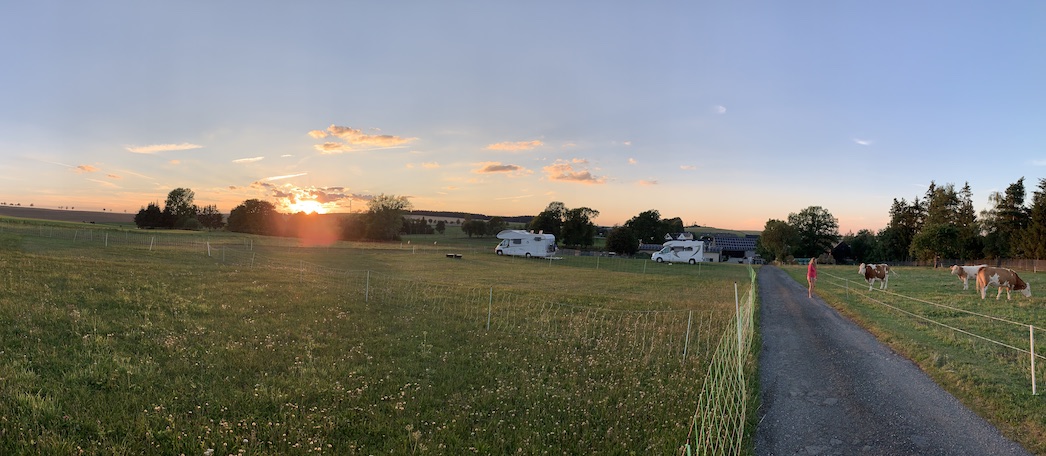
682	251
526	243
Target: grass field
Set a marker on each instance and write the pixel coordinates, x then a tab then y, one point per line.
977	350
140	343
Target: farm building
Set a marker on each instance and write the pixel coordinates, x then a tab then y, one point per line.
719	247
731	247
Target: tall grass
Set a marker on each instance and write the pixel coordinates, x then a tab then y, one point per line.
266	348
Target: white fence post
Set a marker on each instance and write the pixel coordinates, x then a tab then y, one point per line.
490	306
1031	343
686	343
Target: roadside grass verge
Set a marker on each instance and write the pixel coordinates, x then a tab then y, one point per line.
265	348
983	372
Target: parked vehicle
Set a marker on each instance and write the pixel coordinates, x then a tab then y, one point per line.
684	251
526	244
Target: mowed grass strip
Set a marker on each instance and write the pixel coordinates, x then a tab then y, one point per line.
280	350
993	380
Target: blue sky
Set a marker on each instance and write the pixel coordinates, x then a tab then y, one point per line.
725	114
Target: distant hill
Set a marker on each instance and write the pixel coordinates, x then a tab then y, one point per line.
64	215
462	215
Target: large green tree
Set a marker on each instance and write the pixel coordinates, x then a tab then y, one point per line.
210	217
1033	240
818	231
578	228
651	229
550	220
254	216
939	235
384	217
149	217
179	208
622	241
777	240
1004	220
864	246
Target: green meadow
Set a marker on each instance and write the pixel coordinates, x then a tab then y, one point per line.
978	350
140	342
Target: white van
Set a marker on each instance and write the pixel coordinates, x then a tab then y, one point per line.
526	244
685	251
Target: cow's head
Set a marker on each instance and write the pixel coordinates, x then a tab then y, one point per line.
860	269
1021	286
957	270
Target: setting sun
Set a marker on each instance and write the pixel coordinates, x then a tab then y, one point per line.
307	206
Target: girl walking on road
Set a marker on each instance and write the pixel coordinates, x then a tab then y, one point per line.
811	276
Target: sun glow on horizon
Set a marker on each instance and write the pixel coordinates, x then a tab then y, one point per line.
307	206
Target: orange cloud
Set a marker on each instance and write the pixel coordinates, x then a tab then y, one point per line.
563	170
515	146
354	140
86	169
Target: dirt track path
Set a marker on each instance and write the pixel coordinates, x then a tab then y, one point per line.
829	387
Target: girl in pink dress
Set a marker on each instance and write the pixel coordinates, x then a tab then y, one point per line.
811	276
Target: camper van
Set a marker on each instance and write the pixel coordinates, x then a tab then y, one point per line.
525	243
684	251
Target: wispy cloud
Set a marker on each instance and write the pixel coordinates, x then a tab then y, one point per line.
498	167
1038	162
515	146
572	171
124	171
863	142
687	167
719	109
513	197
104	183
86	169
647	183
156	148
632	161
285	176
113	176
355	140
248	160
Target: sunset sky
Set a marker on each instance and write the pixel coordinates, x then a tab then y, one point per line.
725	114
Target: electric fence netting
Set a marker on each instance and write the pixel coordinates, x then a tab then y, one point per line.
1014	342
719	421
704	349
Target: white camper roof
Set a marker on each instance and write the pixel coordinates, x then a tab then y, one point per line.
521	234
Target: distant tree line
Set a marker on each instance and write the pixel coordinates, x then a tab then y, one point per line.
180	213
389	216
941	225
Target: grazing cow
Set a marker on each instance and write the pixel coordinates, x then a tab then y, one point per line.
873	272
965	272
1002	278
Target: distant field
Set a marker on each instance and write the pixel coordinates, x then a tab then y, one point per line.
62	215
982	354
144	342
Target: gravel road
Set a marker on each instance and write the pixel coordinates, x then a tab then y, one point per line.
829	387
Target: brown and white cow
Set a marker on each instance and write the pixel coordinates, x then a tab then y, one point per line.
965	272
1002	278
873	272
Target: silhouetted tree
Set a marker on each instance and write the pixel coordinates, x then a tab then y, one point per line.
622	241
255	217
